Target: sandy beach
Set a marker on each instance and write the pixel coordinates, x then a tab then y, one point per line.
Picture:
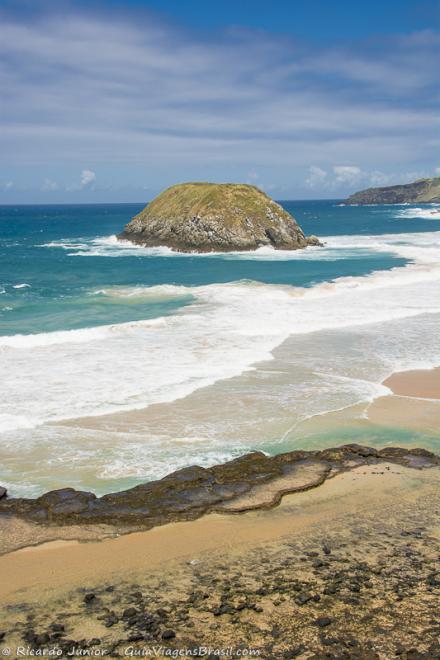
423	384
349	566
65	563
414	404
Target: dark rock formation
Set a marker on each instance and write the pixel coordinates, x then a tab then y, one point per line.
215	217
423	190
362	584
3	492
250	482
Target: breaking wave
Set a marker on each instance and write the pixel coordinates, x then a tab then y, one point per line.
226	330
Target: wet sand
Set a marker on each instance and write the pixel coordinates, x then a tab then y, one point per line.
347	570
414	404
418	415
53	565
422	383
348	567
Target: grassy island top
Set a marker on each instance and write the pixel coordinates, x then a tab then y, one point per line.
228	200
422	190
210	217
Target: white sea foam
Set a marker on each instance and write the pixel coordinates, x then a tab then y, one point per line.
111	246
227	329
335	247
160	292
21	286
106	246
80	336
343	338
431	212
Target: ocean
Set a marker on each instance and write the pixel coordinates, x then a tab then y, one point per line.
120	363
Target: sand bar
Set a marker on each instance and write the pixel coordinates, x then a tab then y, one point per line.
423	383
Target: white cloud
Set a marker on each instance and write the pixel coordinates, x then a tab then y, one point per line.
378	178
346	177
437	171
8	185
157	103
349	174
87	181
88	178
317	176
49	185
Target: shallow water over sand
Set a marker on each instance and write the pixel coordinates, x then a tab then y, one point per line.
315	392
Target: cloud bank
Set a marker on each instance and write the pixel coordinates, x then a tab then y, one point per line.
143	103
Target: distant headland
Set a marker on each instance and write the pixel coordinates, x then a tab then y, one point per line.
215	217
420	191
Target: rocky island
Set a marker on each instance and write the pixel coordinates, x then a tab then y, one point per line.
420	191
215	217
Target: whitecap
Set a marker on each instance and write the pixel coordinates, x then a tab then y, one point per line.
160	292
430	212
225	330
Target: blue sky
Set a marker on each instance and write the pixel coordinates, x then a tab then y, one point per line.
113	101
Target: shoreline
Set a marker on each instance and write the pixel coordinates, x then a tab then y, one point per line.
304	552
348	566
413	404
179	539
415	383
414	400
148	443
251	482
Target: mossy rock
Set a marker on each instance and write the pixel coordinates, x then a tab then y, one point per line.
215	217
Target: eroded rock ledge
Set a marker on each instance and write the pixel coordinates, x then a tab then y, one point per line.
253	481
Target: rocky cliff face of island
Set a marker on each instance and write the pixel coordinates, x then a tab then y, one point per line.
421	191
212	217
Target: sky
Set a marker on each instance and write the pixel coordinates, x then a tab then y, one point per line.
112	101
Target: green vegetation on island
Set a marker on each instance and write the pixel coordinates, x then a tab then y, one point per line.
420	191
215	217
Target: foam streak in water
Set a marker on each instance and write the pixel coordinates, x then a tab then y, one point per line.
226	330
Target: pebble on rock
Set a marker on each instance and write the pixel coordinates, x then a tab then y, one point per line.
323	621
168	634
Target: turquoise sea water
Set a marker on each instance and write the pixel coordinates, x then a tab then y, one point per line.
41	246
201	357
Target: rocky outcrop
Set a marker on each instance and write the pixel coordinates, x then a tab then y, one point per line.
215	217
421	191
252	481
3	492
